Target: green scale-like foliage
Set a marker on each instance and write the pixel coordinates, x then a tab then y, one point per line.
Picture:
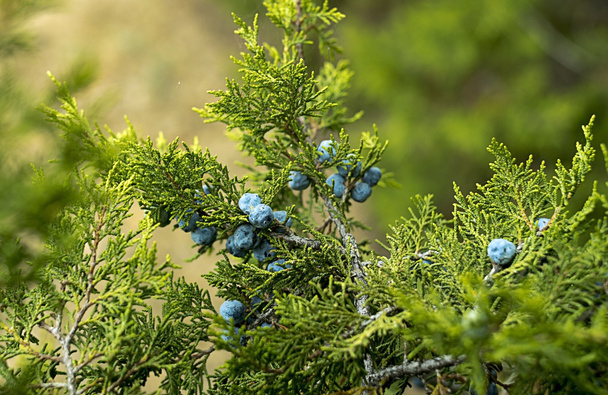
536	314
88	325
95	299
339	318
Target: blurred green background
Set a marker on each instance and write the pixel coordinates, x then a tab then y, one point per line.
440	78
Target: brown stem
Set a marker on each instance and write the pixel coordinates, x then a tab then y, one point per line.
298	25
200	354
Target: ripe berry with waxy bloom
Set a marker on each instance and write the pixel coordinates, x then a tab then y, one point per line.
256	301
199	196
298	181
361	192
501	251
263	250
189	222
336	181
542	223
204	236
233	309
325	151
347	164
281	216
248	201
230	339
372	176
261	216
244	237
233	249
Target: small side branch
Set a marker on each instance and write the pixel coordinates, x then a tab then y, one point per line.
424	255
265	316
294	240
88	361
51	385
27	346
200	354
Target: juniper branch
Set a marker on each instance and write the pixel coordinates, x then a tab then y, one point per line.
65	341
424	255
55	330
88	361
263	317
357	269
293	239
413	368
348	240
27	346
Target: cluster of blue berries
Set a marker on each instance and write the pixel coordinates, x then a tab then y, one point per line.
245	237
347	168
204	236
298	181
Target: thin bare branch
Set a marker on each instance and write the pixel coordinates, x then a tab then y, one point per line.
413	368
